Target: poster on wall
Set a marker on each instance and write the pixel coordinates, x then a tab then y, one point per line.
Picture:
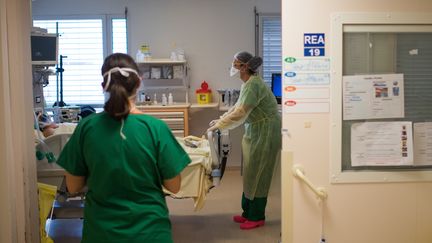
373	96
382	144
423	143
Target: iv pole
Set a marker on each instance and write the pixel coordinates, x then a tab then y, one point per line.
59	70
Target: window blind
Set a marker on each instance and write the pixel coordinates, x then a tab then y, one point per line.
82	41
271	46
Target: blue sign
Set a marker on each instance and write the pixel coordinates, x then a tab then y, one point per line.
314	44
314	52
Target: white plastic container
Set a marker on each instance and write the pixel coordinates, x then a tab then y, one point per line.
164	99
155	99
170	99
216	175
139	56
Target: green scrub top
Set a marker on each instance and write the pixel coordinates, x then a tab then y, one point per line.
262	139
125	201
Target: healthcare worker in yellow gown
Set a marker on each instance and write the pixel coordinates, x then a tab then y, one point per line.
261	144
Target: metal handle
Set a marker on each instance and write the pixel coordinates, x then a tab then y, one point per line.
319	191
213	153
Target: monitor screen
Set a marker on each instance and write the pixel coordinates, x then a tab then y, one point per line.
44	49
276	86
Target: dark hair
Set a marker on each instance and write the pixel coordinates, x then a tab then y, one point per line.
120	88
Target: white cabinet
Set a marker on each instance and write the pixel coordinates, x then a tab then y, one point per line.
165	76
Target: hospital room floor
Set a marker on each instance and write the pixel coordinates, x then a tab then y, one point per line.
213	223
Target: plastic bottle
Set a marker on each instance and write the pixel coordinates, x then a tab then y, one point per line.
164	99
139	56
216	174
145	50
155	99
227	98
170	99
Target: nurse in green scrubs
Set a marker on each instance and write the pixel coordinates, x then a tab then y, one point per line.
261	144
124	157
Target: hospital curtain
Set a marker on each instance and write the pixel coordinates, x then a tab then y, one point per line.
18	206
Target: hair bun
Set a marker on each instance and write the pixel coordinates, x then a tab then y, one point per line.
254	63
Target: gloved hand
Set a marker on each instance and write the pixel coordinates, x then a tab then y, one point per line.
212	128
212	123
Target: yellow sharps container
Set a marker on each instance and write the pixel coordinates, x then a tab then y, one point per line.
204	94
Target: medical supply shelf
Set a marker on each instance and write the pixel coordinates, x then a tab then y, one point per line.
176	116
209	105
162	75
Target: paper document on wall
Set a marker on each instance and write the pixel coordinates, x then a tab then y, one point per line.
373	96
381	144
423	143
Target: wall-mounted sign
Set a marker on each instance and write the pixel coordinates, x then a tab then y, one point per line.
307	78
306	106
314	44
306	81
317	64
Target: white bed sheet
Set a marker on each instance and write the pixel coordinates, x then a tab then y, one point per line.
195	178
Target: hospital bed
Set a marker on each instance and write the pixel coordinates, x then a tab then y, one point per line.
65	221
209	157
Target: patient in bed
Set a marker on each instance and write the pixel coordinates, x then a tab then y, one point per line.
46	125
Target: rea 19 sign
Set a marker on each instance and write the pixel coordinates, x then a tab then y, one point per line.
314	44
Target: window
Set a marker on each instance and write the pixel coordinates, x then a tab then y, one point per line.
271	46
381	73
82	44
399	52
119	35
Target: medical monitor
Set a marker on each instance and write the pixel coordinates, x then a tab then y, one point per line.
276	86
44	49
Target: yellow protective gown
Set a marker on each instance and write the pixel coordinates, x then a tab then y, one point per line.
257	109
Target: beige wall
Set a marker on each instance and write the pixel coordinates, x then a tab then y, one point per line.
18	213
353	213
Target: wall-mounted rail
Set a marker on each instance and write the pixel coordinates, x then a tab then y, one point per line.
300	174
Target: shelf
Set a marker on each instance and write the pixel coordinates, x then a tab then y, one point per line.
162	88
224	108
161	61
175	105
210	105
